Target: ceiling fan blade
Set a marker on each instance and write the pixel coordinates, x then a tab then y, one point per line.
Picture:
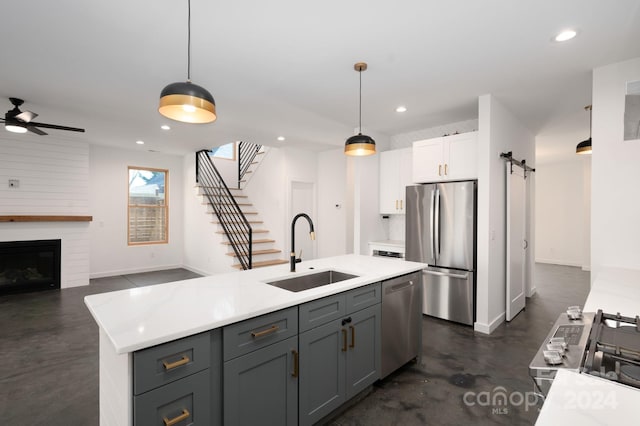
55	126
26	116
35	130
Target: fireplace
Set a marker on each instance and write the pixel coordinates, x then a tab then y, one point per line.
29	266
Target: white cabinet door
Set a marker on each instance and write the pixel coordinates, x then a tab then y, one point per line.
428	160
395	175
461	156
389	181
447	158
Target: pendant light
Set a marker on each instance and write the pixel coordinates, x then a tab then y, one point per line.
360	145
185	101
584	147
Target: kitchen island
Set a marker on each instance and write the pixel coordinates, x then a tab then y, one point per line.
216	315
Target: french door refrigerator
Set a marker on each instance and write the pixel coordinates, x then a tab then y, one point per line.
441	231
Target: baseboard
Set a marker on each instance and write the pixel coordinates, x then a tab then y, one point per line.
532	291
196	270
559	262
133	271
489	328
586	268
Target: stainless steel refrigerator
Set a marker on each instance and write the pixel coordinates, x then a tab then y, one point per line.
441	231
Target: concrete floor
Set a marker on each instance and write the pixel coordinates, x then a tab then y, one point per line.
49	360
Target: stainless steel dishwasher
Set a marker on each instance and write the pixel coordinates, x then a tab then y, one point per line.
401	321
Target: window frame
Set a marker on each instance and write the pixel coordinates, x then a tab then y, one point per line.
165	206
235	150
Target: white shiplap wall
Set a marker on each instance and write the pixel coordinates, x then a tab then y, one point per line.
53	175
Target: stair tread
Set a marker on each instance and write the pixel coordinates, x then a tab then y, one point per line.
250	221
258	241
255	231
264	263
197	185
258	252
206	203
245	213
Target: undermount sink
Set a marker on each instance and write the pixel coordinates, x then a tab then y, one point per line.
306	282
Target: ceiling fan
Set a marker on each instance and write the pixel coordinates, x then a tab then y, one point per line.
20	121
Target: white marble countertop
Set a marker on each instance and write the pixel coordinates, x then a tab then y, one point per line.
580	399
587	400
141	317
389	243
615	290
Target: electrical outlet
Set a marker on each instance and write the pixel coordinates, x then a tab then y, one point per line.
14	183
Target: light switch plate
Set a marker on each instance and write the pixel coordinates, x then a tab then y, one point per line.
14	183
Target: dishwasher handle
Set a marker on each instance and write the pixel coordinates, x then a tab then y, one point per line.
398	287
445	274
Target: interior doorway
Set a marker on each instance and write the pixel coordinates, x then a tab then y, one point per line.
303	201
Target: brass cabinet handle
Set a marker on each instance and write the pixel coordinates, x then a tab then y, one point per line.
445	169
266	332
170	422
439	169
400	204
296	363
344	340
171	365
353	337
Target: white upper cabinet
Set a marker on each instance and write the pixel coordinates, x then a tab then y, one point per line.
395	175
447	158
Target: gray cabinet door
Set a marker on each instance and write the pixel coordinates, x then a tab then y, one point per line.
261	387
322	371
363	353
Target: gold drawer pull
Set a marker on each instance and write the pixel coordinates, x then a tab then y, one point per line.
445	169
439	169
344	340
266	332
171	365
170	422
353	337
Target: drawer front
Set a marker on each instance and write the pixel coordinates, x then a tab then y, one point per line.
255	333
363	297
321	311
181	403
170	361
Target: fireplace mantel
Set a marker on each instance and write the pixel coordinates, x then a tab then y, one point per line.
45	218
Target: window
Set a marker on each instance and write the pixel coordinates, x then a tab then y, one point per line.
227	152
148	211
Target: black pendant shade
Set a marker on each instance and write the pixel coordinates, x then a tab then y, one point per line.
584	147
185	101
360	145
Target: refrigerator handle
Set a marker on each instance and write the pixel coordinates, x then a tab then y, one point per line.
444	274
437	225
432	226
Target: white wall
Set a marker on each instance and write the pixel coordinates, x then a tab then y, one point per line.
53	175
615	202
499	131
332	209
108	177
561	216
203	252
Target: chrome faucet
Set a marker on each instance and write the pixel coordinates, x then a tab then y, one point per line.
312	234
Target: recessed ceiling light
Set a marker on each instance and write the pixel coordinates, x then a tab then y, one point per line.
165	127
280	138
565	35
401	109
140	142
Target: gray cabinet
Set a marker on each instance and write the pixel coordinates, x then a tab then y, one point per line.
340	357
261	385
178	383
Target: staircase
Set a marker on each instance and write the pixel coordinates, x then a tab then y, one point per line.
248	242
